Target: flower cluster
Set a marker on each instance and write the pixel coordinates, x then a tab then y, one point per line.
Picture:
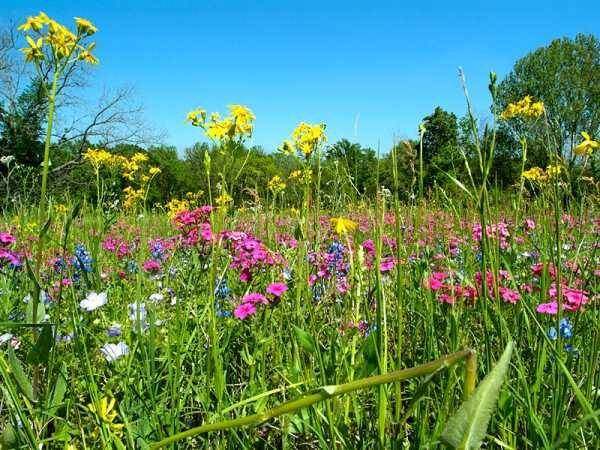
50	40
525	107
538	174
305	139
237	126
249	255
7	254
276	185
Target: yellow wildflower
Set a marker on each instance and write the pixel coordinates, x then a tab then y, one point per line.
60	209
175	206
154	170
132	197
105	412
534	174
276	184
86	54
243	119
587	146
197	117
553	170
525	107
343	226
35	23
84	26
306	138
34	52
98	157
224	199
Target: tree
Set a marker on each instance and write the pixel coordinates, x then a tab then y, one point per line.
565	75
356	164
440	147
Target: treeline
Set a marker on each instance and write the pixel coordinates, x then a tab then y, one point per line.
565	75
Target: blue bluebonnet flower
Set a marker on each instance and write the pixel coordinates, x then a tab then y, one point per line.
82	260
565	328
156	250
552	334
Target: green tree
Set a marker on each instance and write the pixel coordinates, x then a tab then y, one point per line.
565	75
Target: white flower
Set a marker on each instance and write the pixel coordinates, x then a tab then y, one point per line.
6	160
112	352
5	338
157	297
93	301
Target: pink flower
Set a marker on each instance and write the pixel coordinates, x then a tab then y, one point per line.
277	289
254	298
508	295
387	264
529	224
244	310
547	308
7	239
151	266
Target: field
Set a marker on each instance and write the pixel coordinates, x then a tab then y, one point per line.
462	316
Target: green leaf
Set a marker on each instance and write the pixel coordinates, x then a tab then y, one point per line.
40	313
58	393
369	352
8	438
306	341
19	375
40	352
466	429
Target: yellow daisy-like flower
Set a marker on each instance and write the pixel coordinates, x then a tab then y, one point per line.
35	50
104	410
587	146
154	171
84	26
525	107
224	199
554	170
534	174
276	184
343	226
307	137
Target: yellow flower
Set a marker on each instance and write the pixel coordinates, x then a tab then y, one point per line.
224	199
35	23
86	54
553	170
98	158
587	146
525	107
197	117
61	39
243	119
175	206
534	174
343	226
85	27
34	52
139	158
132	197
60	208
287	147
154	171
306	137
276	184
295	174
105	412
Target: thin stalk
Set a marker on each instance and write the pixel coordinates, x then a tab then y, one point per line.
323	393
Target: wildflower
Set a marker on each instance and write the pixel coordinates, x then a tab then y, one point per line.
254	298
552	334
104	410
224	199
343	226
244	310
553	170
84	26
276	185
277	289
93	301
82	260
306	137
534	174
565	328
587	146
154	171
525	107
34	52
112	352
151	266
34	23
114	330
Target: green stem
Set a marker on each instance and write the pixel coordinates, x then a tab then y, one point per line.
319	395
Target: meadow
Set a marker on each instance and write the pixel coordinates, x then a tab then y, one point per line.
458	321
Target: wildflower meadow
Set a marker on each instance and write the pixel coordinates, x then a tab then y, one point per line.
402	299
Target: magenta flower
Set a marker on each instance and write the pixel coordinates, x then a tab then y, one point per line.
255	298
7	239
151	266
277	289
547	308
244	310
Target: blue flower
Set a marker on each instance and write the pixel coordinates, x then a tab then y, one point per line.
565	328
82	261
552	334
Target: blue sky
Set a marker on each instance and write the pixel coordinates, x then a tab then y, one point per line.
371	70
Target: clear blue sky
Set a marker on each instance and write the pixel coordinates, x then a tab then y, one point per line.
370	69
